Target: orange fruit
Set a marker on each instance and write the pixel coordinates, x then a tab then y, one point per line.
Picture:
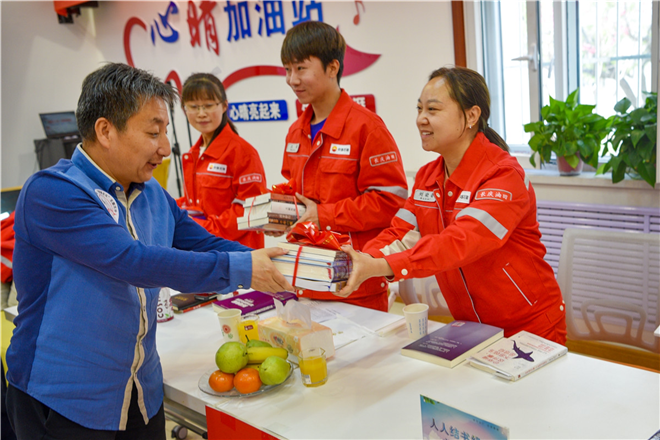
221	382
247	381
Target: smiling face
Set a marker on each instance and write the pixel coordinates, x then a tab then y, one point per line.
310	82
134	153
441	122
205	115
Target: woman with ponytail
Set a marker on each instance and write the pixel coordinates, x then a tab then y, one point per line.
471	219
221	170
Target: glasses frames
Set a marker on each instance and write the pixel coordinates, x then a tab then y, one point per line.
193	109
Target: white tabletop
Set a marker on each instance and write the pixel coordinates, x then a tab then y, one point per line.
373	392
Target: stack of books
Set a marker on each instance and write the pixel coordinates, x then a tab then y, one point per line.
270	212
319	269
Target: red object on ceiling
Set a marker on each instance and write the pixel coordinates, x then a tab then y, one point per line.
61	6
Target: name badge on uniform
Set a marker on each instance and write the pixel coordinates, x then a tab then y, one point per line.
343	150
292	148
109	203
424	196
464	197
217	168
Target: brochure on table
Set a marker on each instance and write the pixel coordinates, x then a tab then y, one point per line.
440	421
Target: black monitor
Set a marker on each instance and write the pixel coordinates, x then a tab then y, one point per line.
59	125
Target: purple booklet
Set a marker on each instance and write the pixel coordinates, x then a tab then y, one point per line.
453	343
255	301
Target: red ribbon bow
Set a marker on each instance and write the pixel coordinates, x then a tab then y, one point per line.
309	233
288	188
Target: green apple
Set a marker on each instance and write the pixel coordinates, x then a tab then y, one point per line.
231	357
274	370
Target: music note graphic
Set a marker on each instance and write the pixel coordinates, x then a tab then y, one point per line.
356	19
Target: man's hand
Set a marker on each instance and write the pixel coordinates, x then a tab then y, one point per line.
364	267
265	276
311	212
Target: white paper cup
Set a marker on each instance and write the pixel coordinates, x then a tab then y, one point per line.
229	320
417	320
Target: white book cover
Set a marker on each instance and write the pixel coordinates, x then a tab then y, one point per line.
516	357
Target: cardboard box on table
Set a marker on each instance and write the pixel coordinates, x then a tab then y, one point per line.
294	330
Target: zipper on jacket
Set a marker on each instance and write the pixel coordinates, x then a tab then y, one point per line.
144	322
460	270
302	184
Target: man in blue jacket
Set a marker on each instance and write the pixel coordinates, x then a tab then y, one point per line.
96	239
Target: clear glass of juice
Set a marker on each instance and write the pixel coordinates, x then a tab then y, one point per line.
248	328
313	367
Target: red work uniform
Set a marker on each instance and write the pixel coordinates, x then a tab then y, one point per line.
353	170
480	237
218	182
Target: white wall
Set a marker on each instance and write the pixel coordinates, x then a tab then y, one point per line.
44	63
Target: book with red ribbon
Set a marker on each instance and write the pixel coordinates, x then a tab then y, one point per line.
314	259
270	212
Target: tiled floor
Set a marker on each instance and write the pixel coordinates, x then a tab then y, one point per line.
169	425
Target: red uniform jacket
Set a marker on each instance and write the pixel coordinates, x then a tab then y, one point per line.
218	182
353	170
480	237
8	242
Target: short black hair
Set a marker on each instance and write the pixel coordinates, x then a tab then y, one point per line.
314	39
116	92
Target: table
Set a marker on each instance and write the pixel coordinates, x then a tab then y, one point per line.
373	392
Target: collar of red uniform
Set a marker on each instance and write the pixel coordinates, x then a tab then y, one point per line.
335	122
217	147
465	168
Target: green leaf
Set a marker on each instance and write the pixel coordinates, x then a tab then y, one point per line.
637	115
573	160
572	98
622	106
647	172
603	168
619	173
651	131
636	135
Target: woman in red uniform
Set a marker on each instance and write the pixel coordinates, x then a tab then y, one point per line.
221	170
471	219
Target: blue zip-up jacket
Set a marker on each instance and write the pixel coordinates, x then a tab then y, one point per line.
88	265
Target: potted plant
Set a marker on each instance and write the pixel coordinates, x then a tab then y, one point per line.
632	143
571	130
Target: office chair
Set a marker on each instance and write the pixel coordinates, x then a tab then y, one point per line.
610	282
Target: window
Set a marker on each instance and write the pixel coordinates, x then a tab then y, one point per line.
536	49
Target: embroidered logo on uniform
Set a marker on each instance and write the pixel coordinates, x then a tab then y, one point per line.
249	178
110	204
292	148
343	150
424	196
382	159
464	197
493	194
217	168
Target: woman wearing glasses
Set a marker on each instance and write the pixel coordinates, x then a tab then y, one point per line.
221	170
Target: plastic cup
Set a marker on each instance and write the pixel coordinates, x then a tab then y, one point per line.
229	320
313	367
164	312
417	320
248	328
